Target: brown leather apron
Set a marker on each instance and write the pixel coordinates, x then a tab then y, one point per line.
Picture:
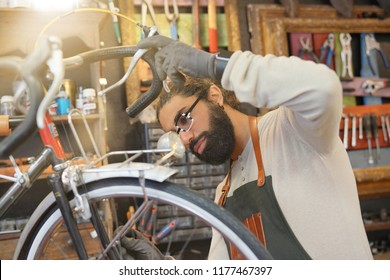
256	206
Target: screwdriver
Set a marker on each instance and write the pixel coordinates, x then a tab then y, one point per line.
346	128
353	131
374	124
383	123
360	127
367	129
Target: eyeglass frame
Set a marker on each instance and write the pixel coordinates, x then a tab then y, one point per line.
187	115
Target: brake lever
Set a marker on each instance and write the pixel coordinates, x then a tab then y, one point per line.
137	56
56	67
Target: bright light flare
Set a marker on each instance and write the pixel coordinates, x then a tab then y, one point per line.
57	5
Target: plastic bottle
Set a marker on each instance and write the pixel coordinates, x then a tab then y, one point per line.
79	99
90	106
63	102
7	105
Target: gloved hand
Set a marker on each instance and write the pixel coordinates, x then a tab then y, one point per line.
175	57
138	247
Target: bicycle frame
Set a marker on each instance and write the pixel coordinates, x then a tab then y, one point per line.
54	155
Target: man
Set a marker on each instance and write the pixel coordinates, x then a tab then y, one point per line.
290	180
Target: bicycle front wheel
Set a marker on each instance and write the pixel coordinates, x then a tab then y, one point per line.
194	215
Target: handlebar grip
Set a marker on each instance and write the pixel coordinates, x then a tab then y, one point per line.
153	92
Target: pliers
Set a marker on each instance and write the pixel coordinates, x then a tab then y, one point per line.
372	44
147	5
306	48
370	87
346	56
327	49
172	18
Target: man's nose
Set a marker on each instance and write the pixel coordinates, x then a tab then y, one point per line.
186	137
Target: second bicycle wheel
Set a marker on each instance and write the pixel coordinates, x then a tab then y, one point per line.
193	216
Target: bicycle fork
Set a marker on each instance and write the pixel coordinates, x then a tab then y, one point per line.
67	214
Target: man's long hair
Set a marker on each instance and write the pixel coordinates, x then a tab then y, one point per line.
197	87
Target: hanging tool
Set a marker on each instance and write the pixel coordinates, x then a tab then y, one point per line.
367	129
346	128
360	127
167	229
383	124
306	48
213	35
130	213
367	86
147	5
115	21
195	24
370	87
369	69
346	56
387	121
150	224
375	134
172	18
353	142
327	49
373	45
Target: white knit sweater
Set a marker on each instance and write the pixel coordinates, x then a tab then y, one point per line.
301	149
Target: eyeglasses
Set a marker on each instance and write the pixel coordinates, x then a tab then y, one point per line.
184	121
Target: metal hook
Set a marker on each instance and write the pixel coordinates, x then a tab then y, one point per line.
171	17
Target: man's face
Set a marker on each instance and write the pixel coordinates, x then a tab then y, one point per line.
211	136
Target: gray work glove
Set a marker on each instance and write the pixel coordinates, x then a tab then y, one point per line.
175	58
138	247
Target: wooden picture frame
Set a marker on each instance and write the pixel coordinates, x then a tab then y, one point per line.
276	30
269	25
260	15
270	28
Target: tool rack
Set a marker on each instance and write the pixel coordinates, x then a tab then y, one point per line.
381	113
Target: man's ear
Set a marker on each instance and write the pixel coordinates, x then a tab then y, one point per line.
215	95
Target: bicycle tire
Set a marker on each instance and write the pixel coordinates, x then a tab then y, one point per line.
167	193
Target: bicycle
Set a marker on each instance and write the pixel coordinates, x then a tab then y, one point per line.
85	195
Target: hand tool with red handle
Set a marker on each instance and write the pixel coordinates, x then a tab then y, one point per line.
213	35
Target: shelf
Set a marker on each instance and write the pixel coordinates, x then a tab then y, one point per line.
375	226
182	3
373	182
64	118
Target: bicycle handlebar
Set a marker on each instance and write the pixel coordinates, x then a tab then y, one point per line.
119	52
30	67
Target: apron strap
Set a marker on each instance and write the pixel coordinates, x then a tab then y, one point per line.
256	147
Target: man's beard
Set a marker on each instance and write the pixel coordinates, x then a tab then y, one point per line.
220	138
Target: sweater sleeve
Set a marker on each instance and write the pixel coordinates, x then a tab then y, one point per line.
311	92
